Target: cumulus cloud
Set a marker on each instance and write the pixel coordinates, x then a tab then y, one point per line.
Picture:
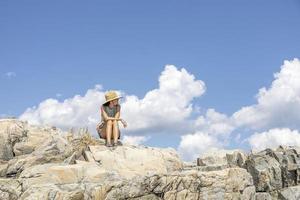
273	138
163	108
78	111
210	131
278	105
215	123
193	145
135	140
166	106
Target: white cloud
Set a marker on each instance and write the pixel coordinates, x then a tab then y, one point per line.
135	140
193	145
209	131
10	74
273	138
162	109
79	111
166	106
277	106
215	123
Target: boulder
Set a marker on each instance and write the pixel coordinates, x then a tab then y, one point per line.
265	170
10	189
3	167
290	193
221	157
230	183
11	131
52	191
289	160
57	173
263	196
130	160
42	162
274	169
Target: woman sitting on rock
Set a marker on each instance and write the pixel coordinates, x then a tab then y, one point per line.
110	114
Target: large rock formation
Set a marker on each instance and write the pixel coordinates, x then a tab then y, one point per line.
46	163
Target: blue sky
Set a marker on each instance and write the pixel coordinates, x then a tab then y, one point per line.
67	47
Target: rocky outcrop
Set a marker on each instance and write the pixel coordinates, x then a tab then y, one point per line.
41	162
223	158
274	170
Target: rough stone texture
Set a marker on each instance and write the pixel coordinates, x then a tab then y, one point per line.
229	183
11	131
10	189
223	158
130	160
290	193
265	170
274	169
41	162
263	196
289	159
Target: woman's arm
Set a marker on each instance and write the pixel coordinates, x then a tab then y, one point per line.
106	117
117	115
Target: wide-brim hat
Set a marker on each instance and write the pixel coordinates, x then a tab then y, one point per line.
111	95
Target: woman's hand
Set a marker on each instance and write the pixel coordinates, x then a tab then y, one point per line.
124	123
118	119
110	118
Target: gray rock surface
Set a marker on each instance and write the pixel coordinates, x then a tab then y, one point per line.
289	193
41	162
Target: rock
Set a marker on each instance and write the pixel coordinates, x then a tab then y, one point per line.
19	163
56	173
290	193
265	170
71	159
227	158
189	164
230	183
248	193
39	145
88	156
41	162
35	137
274	169
129	160
10	189
3	167
52	191
263	196
289	160
11	130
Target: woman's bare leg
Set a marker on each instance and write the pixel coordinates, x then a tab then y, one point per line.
109	131
115	131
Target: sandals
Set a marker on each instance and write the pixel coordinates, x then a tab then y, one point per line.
118	143
108	145
115	143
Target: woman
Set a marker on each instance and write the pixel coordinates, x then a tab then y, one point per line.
110	114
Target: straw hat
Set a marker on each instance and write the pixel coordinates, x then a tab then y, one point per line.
111	95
